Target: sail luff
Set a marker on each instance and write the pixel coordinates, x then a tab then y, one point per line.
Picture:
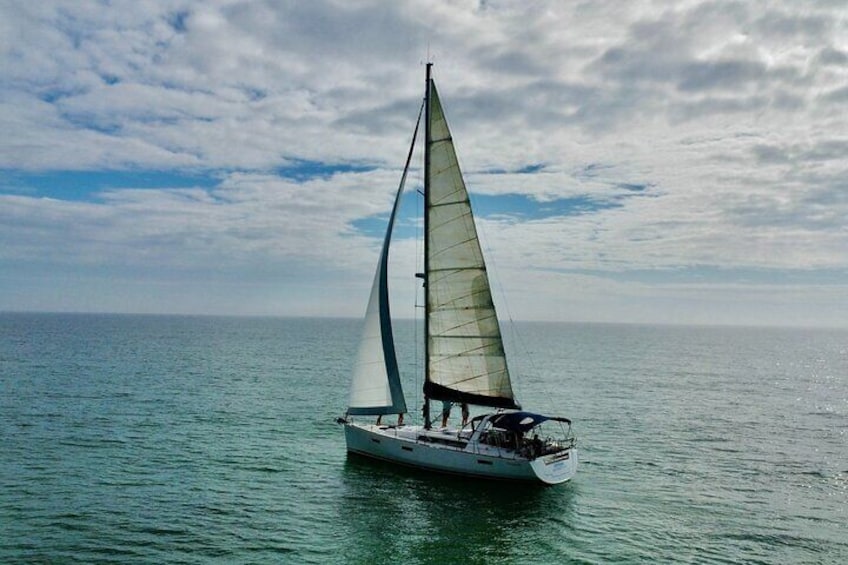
465	356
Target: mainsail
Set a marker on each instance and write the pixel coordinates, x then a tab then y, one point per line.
466	361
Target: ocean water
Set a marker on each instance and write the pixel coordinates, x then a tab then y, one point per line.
156	439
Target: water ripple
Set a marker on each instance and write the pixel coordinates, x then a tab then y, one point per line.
135	439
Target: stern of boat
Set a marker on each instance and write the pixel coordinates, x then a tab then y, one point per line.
556	468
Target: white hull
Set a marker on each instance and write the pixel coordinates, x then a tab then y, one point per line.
445	451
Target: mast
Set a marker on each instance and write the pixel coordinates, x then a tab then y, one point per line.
426	411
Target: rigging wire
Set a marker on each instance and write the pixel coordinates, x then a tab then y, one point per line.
419	365
517	337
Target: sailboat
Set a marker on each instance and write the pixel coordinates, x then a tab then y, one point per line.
465	362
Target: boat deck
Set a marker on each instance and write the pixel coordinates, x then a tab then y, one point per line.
461	452
446	438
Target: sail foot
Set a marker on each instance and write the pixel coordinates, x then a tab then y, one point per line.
439	392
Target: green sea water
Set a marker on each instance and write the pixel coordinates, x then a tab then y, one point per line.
157	439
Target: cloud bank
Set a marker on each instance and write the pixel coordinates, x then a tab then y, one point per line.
644	162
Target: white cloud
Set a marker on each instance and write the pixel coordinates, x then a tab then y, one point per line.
730	114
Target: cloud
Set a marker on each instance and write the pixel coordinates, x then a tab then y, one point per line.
695	136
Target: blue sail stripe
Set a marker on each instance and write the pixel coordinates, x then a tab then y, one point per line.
389	353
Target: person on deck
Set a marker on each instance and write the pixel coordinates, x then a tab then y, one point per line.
464	407
446	409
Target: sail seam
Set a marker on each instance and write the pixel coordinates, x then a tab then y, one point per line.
446	307
451	203
475	352
457	269
460	244
475	336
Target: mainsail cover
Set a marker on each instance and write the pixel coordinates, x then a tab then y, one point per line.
466	356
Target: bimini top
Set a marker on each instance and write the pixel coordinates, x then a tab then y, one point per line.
522	421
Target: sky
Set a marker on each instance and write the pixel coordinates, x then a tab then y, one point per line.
638	162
